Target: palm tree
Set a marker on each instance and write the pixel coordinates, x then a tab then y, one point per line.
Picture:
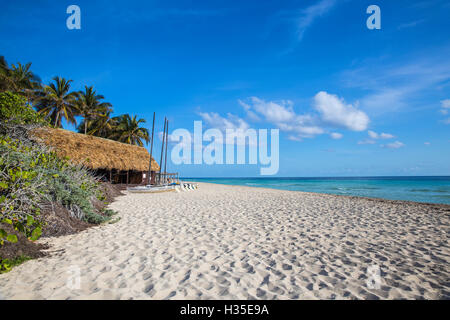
24	80
90	107
19	79
57	102
102	125
4	74
128	130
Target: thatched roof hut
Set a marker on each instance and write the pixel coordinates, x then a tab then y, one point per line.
94	152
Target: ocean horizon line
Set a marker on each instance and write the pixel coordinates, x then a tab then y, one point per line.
429	189
318	177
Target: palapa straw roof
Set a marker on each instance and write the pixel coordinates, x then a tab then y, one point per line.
95	152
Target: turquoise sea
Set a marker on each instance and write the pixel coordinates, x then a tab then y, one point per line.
420	189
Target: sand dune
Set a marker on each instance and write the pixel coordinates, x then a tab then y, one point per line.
226	242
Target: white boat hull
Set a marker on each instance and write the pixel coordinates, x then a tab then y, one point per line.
150	189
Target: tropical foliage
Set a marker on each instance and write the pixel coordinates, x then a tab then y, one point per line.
15	110
56	102
31	176
128	130
18	79
90	107
102	125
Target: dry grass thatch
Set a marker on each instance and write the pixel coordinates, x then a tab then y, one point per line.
95	152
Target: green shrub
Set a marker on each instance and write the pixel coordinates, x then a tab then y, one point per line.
40	175
20	183
32	175
15	110
8	264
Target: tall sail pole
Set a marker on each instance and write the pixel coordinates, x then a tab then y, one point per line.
151	152
167	142
162	151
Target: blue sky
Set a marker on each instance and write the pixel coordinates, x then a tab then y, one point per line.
348	101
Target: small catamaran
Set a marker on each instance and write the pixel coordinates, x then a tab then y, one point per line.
164	181
167	188
150	189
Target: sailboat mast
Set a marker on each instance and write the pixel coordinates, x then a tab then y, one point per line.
151	152
162	150
167	142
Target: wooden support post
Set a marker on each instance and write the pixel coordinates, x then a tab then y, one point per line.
110	176
128	176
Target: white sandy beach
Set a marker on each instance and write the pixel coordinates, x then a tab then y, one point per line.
229	242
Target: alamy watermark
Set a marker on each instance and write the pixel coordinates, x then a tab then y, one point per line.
374	20
74	277
74	20
374	277
190	149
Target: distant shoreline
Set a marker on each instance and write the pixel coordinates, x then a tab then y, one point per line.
325	177
442	193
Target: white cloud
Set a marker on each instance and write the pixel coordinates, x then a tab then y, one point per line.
336	135
386	136
330	112
311	13
303	125
309	131
393	145
374	135
386	99
336	112
273	112
282	115
445	104
445	108
221	123
233	122
367	141
410	24
397	87
250	114
295	138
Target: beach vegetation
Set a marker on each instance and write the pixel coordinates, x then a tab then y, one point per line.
19	79
15	110
8	264
90	107
32	175
57	102
128	130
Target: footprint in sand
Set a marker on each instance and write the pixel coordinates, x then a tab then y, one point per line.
146	276
275	289
171	295
222	281
260	293
186	277
286	267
